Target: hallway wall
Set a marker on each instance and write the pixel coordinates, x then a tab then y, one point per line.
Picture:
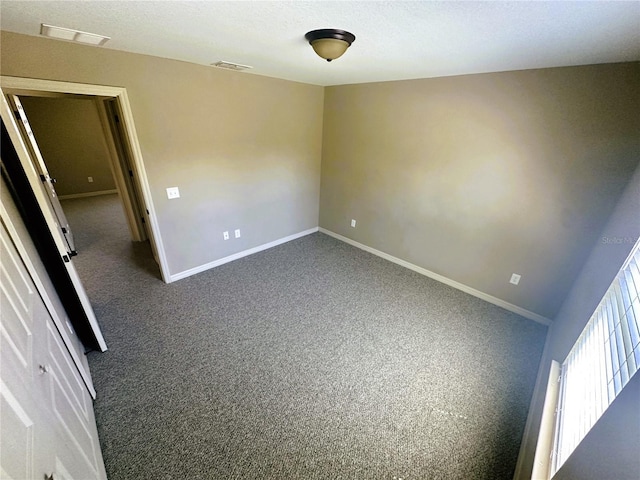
71	140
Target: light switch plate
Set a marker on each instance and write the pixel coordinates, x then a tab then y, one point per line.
515	279
173	192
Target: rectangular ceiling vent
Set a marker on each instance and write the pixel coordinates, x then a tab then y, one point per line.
72	35
231	66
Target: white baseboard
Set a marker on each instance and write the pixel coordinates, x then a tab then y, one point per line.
236	256
447	281
87	194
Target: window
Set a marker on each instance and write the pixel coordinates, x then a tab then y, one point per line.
601	362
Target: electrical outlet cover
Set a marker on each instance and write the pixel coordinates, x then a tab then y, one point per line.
173	192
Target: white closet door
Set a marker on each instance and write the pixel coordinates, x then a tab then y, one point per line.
47	423
19	410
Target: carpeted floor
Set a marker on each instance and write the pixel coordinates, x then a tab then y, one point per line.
311	360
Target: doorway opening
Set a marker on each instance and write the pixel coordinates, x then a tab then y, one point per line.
122	142
125	162
82	161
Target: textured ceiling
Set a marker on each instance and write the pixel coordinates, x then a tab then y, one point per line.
394	39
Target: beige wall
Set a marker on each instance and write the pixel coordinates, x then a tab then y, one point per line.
612	247
71	140
610	449
472	177
477	177
243	149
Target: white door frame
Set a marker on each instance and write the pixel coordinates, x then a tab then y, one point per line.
28	86
120	172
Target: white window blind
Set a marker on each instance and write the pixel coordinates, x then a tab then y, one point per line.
601	362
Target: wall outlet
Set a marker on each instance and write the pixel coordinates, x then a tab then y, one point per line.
353	223
237	233
225	235
173	192
515	279
90	179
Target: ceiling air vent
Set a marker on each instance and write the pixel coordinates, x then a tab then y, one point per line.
231	66
72	35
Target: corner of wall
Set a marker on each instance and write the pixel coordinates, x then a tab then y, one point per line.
614	244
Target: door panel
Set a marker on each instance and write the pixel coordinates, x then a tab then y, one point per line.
71	428
20	316
67	395
16	454
62	473
43	229
46	410
62	366
54	305
16	300
41	167
16	335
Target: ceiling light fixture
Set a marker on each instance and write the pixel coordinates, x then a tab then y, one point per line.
330	43
72	35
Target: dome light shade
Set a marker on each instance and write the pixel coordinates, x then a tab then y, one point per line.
330	43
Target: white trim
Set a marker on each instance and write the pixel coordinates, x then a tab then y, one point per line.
525	442
542	460
118	169
53	86
236	256
143	182
447	281
87	194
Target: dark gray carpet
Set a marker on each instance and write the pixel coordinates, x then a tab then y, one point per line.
311	360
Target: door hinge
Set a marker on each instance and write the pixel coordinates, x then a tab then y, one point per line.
65	258
117	118
142	218
73	253
146	210
43	178
64	230
131	173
